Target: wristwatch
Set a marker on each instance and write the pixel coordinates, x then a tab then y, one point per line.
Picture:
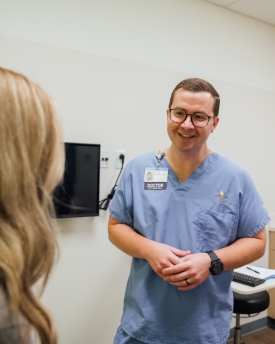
216	264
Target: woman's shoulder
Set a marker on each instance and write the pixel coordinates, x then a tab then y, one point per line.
13	326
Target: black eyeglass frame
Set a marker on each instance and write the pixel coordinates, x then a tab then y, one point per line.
191	115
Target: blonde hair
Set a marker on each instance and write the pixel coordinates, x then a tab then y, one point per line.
31	165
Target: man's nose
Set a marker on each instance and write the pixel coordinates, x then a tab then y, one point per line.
187	122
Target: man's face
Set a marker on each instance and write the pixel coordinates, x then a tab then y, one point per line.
149	175
184	136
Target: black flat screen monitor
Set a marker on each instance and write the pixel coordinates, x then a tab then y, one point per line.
78	194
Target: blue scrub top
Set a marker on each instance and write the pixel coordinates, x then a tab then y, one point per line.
214	207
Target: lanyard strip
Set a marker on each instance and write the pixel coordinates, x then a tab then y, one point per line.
159	155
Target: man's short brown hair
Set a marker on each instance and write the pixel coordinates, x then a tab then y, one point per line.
198	85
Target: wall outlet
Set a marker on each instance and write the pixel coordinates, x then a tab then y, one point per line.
104	158
118	162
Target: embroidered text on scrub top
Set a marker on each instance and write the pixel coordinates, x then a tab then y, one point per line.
221	198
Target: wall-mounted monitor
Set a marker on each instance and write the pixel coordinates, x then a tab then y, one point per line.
78	194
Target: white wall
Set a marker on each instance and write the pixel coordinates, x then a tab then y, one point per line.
112	65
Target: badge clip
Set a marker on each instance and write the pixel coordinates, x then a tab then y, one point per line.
159	154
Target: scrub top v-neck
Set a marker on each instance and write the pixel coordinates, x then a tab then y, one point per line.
179	187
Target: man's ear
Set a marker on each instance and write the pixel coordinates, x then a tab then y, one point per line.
167	116
215	123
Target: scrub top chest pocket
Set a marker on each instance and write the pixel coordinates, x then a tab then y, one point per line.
214	230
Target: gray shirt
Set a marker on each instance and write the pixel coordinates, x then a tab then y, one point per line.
14	329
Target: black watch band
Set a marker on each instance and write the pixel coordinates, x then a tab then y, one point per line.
216	264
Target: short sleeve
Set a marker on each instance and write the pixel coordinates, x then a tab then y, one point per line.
121	204
253	215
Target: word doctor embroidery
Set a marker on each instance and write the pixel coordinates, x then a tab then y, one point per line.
155	186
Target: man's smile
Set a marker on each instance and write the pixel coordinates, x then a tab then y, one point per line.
186	135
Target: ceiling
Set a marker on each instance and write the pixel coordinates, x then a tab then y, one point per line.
263	10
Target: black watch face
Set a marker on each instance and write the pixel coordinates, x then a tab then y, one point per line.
217	267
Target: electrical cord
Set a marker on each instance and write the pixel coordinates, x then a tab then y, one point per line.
104	204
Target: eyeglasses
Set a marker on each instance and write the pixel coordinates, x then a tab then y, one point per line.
198	119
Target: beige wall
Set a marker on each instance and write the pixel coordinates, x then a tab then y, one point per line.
112	65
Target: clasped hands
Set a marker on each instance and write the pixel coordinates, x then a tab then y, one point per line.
180	268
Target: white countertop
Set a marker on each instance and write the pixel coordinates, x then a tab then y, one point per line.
245	289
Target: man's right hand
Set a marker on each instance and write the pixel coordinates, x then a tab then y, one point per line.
161	256
158	255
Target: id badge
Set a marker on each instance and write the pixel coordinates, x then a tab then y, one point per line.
155	178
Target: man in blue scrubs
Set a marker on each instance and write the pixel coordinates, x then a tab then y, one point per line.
199	218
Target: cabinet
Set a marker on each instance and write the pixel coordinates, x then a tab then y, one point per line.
271	309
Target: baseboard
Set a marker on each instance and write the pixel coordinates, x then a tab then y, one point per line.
254	326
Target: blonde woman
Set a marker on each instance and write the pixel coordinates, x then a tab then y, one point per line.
31	165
